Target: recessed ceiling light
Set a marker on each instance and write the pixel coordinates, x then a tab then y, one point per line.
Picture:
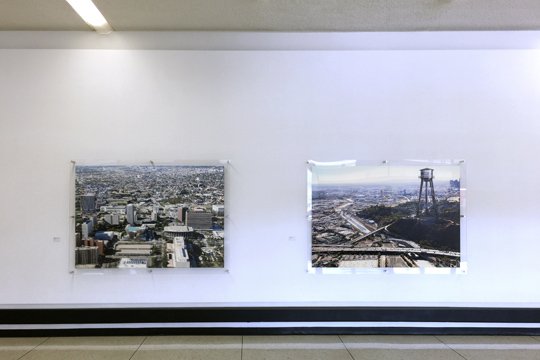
91	15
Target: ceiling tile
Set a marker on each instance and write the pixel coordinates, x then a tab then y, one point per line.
279	15
39	15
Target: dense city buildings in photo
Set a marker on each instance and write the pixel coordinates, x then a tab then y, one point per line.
149	216
385	216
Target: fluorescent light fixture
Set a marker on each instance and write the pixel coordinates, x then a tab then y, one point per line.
91	15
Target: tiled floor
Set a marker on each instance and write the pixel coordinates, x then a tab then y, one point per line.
328	347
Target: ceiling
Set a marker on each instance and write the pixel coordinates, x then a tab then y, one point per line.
278	15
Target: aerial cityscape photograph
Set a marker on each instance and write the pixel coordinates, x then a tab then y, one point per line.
385	216
149	216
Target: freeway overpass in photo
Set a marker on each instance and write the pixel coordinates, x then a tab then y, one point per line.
355	223
359	238
381	250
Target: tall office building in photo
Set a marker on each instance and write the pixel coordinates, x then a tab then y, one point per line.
131	216
84	231
88	203
218	210
86	255
199	220
112	219
87	228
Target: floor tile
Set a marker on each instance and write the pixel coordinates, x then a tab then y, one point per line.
190	348
91	348
346	347
392	339
390	347
294	347
475	339
14	348
494	347
500	354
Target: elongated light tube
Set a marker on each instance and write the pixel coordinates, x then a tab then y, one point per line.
91	15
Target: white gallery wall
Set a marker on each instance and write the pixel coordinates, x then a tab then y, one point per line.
268	112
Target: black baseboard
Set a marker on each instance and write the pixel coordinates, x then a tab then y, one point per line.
268	314
272	331
63	322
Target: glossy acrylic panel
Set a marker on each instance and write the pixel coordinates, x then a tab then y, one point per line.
148	216
387	217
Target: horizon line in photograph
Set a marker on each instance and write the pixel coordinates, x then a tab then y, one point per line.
377	174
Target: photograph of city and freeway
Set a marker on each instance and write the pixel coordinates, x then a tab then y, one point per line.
149	216
385	216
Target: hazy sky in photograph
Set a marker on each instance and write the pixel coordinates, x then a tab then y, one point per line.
377	174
